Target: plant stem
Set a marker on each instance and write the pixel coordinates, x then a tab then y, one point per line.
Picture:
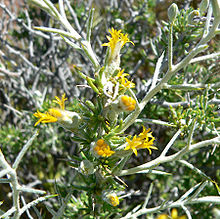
165	159
170	48
201	46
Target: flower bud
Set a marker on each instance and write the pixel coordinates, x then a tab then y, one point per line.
86	167
111	198
101	148
172	12
127	103
186	45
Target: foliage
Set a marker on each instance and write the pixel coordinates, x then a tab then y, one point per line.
125	79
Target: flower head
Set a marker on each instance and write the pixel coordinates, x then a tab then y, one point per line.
53	114
117	39
64	117
110	197
113	199
144	140
123	80
132	144
174	215
127	103
116	42
102	149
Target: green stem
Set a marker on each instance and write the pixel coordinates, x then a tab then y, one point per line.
191	131
170	48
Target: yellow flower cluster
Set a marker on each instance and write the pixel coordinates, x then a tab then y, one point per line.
102	149
116	42
127	103
144	140
121	76
53	114
113	199
117	39
174	215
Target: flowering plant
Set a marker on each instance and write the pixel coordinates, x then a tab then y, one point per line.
105	126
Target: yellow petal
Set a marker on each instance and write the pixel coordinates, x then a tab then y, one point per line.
162	216
135	151
174	213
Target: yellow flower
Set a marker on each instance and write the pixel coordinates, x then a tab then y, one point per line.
144	140
127	103
65	118
132	144
116	42
146	143
102	149
53	114
117	39
110	197
113	199
174	215
124	81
